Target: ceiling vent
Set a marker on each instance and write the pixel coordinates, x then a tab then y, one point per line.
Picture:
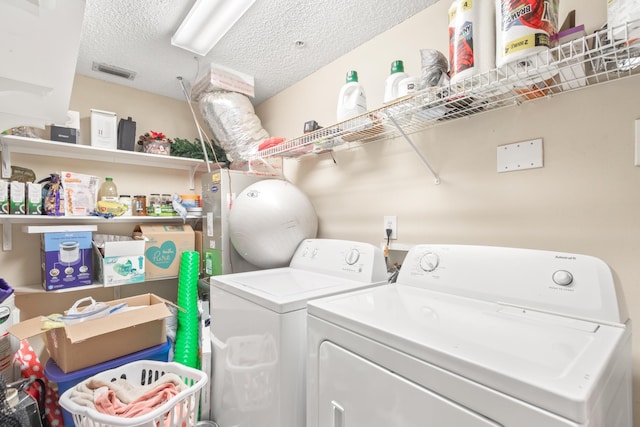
114	71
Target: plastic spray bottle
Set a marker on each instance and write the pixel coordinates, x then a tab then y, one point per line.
352	100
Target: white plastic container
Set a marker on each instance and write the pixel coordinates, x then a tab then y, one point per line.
352	100
393	81
409	85
104	129
471	38
524	30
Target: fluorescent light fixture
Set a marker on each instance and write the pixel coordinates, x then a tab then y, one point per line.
207	22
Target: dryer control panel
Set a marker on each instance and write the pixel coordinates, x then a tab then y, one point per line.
571	284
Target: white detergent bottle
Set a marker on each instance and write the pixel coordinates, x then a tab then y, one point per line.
393	81
352	100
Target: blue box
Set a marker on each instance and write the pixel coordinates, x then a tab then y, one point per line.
52	372
66	260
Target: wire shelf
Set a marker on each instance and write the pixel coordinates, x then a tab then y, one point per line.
606	55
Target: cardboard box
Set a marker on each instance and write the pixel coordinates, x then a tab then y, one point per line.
17	198
121	264
96	341
104	129
164	245
34	198
219	77
66	260
4	196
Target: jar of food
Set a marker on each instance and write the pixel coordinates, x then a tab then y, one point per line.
140	205
155	204
167	204
125	199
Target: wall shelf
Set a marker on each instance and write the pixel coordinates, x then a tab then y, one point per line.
594	59
6	222
40	147
38	289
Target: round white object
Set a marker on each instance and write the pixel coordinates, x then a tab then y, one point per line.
268	220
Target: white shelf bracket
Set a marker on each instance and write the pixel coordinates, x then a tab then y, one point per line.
6	235
6	159
424	160
192	177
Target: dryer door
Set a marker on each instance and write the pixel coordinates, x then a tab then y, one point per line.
354	392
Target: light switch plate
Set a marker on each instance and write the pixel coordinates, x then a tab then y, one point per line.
520	155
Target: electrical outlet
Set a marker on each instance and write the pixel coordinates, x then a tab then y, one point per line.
392	223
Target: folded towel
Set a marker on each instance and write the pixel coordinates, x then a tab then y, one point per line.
124	391
108	403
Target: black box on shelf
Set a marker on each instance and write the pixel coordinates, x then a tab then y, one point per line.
62	134
127	134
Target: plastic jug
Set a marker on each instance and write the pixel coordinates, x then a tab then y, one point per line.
108	191
352	100
393	81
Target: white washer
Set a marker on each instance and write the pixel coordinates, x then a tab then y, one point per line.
258	329
474	336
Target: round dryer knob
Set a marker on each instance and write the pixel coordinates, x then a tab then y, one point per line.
429	261
352	256
562	278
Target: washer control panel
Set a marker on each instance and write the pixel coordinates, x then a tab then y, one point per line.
429	261
352	257
341	258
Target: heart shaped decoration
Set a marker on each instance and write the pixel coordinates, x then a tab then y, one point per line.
162	256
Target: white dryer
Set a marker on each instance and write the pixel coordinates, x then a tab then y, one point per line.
258	329
474	336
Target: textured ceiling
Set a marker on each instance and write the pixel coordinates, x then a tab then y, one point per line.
135	35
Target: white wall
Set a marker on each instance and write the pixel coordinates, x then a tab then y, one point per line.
584	200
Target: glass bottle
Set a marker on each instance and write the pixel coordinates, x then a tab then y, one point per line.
125	199
140	205
155	204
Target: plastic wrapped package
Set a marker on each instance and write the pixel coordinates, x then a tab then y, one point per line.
233	123
434	68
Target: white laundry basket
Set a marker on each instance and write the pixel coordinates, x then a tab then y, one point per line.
180	411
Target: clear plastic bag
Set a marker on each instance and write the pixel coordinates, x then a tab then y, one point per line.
434	68
233	123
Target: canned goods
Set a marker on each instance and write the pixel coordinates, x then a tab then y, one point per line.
140	205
